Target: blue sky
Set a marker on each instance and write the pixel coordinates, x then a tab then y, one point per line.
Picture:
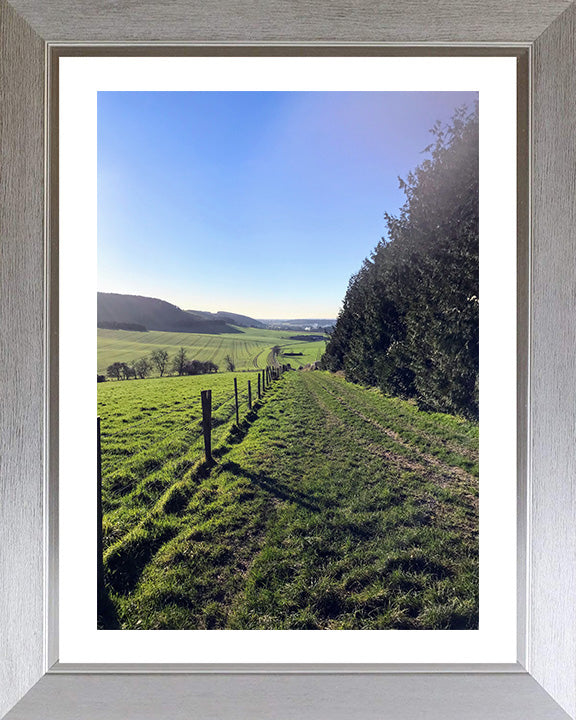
262	203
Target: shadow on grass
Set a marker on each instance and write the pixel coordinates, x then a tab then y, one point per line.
274	487
125	561
107	616
238	432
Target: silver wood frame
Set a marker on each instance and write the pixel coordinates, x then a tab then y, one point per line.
543	683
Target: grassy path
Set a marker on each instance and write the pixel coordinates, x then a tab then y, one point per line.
332	507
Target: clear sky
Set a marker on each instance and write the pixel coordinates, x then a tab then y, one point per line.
262	203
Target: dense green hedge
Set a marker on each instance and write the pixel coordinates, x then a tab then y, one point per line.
409	322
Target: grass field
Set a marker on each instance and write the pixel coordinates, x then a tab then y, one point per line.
249	348
150	434
331	507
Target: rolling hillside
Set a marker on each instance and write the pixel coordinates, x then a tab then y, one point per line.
249	347
229	317
155	314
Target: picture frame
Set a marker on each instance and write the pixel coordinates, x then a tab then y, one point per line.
543	682
493	80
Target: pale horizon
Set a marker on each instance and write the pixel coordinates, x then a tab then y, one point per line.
233	307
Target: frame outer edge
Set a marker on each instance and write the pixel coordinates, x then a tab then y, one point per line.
248	21
21	356
21	425
552	624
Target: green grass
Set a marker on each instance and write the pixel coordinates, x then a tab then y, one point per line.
249	348
331	507
151	437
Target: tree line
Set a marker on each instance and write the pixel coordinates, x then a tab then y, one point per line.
160	362
409	321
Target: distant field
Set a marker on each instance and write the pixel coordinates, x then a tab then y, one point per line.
249	348
331	507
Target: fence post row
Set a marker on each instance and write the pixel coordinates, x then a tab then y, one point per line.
206	396
236	399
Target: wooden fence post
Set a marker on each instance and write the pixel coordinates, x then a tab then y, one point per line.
236	398
206	396
100	542
259	391
249	396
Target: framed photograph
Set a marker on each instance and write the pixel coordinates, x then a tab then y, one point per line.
289	396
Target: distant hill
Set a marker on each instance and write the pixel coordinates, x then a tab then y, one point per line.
305	321
300	324
229	317
134	327
307	338
154	314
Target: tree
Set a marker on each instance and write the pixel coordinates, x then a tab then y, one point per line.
409	320
229	362
159	358
193	367
142	367
129	370
196	367
114	371
179	362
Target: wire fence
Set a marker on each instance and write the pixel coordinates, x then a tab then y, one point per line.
212	417
205	424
